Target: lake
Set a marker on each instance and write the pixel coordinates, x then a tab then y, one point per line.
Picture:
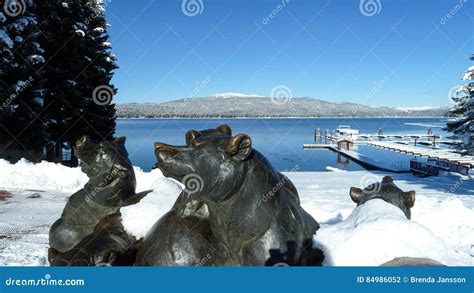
280	140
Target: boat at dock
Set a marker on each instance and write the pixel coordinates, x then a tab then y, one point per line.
347	131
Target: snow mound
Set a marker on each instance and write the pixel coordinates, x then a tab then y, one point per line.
139	218
41	176
449	218
374	233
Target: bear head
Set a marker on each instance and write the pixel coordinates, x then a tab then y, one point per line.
104	158
387	191
212	163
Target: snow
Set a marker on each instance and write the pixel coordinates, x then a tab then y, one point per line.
442	225
35	59
419	108
469	75
42	176
98	30
138	219
333	169
81	33
378	232
235	95
38	100
6	39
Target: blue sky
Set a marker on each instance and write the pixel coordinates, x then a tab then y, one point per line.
407	54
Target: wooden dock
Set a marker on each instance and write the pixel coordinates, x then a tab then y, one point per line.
342	142
442	155
362	160
438	154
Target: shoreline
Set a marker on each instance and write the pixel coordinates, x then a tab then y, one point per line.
276	118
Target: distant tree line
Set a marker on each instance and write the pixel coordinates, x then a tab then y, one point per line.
212	107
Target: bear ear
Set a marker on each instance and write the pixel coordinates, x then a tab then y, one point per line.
387	179
409	198
225	129
239	147
191	136
356	194
120	140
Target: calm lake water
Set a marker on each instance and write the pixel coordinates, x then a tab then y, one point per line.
280	140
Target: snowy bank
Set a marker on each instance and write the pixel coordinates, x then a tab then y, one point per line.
444	207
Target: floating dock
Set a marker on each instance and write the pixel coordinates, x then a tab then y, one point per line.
438	154
362	160
342	145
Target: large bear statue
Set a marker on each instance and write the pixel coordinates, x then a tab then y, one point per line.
235	210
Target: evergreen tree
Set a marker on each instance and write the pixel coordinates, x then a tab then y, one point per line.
462	124
78	62
22	132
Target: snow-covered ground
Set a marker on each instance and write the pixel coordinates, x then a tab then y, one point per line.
442	224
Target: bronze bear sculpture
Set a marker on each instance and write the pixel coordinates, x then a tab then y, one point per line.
387	191
236	209
111	185
108	245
